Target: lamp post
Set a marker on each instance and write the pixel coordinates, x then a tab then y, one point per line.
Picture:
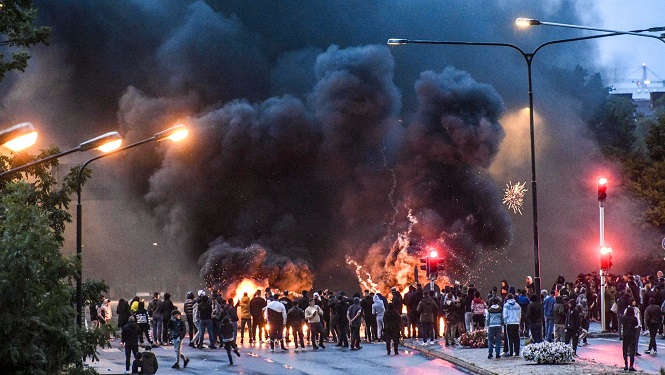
19	136
526	22
528	58
105	142
175	134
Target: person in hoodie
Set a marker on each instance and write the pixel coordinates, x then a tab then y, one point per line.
245	317
494	322
534	318
227	333
559	320
123	312
451	310
523	301
378	309
370	319
427	309
141	317
177	330
572	324
512	313
392	327
276	316
295	318
129	338
167	308
653	319
205	322
478	307
629	335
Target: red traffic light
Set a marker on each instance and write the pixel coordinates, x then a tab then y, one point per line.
605	258
602	189
433	253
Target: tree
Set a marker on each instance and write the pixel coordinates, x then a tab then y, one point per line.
18	33
614	125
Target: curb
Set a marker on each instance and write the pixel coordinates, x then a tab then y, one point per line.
449	358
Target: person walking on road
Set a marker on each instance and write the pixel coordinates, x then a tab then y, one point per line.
629	332
276	316
392	326
548	312
378	309
427	308
205	322
155	311
189	313
178	330
295	318
653	319
534	318
559	320
227	332
129	338
512	314
256	306
245	318
573	324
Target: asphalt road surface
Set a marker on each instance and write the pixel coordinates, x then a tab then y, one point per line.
371	359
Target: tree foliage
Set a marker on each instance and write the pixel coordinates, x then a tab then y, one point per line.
18	33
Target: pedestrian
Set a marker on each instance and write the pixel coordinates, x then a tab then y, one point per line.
611	324
629	333
504	289
155	311
167	309
196	316
427	309
391	328
232	313
123	312
378	309
104	313
559	319
245	318
572	324
189	314
512	314
632	304
653	319
276	316
228	338
529	286
478	307
129	339
452	316
494	321
342	321
548	312
205	322
523	300
534	318
177	330
370	319
142	322
354	315
288	303
398	300
256	306
313	315
295	318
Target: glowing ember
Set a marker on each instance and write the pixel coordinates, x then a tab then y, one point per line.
514	196
248	286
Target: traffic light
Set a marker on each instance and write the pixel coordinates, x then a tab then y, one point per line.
602	189
425	265
433	262
605	258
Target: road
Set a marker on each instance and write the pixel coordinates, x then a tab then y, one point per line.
372	359
609	351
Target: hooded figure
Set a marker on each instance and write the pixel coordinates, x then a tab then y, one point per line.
378	309
512	314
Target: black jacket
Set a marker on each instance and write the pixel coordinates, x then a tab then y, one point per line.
205	308
177	328
534	312
256	306
398	302
392	322
295	317
130	335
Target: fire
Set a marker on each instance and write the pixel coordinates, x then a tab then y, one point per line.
365	280
248	286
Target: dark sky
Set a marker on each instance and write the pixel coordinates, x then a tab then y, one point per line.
312	140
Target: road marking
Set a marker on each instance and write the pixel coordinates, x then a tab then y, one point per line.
111	350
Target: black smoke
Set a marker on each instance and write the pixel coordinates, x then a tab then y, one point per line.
308	140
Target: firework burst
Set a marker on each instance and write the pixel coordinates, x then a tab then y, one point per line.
513	196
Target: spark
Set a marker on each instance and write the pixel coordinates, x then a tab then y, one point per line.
364	280
513	196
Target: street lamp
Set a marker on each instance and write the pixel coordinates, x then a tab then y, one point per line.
19	136
105	142
526	22
176	133
528	58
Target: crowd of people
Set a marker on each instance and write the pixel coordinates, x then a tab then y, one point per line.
634	305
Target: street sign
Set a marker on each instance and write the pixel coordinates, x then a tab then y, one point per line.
663	243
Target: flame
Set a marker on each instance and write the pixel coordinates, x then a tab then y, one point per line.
248	286
364	278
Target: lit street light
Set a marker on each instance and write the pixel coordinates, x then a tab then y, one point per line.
176	133
105	142
19	136
526	22
528	58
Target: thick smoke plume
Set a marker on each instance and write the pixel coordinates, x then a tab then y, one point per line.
309	142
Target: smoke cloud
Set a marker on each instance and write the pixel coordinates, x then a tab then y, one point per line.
309	141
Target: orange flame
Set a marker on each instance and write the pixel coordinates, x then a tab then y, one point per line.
248	286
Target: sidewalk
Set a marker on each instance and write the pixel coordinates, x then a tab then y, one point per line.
475	360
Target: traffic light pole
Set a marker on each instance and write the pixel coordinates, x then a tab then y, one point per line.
602	273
